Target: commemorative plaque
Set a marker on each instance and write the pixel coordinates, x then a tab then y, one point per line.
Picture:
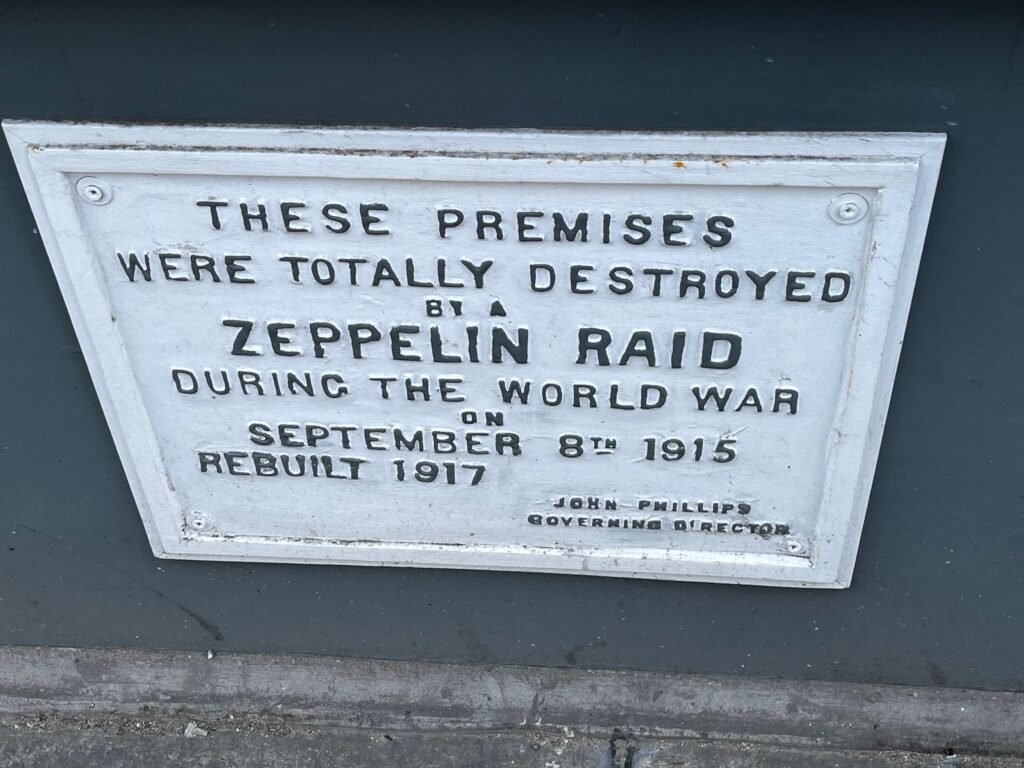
656	355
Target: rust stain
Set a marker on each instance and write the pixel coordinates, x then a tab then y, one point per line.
679	164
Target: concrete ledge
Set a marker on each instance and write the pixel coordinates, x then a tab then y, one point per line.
310	748
56	685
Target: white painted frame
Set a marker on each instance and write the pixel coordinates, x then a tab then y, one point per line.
904	168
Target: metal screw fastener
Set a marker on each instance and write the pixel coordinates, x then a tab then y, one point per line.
848	209
94	191
796	546
197	521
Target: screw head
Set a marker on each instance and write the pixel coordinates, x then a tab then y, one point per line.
197	521
848	209
94	191
796	546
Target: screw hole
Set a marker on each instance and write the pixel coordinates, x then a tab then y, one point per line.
848	209
94	190
197	523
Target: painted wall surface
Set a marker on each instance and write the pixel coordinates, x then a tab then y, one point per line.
938	592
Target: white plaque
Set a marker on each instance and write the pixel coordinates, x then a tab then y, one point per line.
656	355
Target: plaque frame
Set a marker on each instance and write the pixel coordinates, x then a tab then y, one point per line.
903	168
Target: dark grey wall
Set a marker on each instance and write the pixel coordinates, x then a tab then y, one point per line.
937	594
